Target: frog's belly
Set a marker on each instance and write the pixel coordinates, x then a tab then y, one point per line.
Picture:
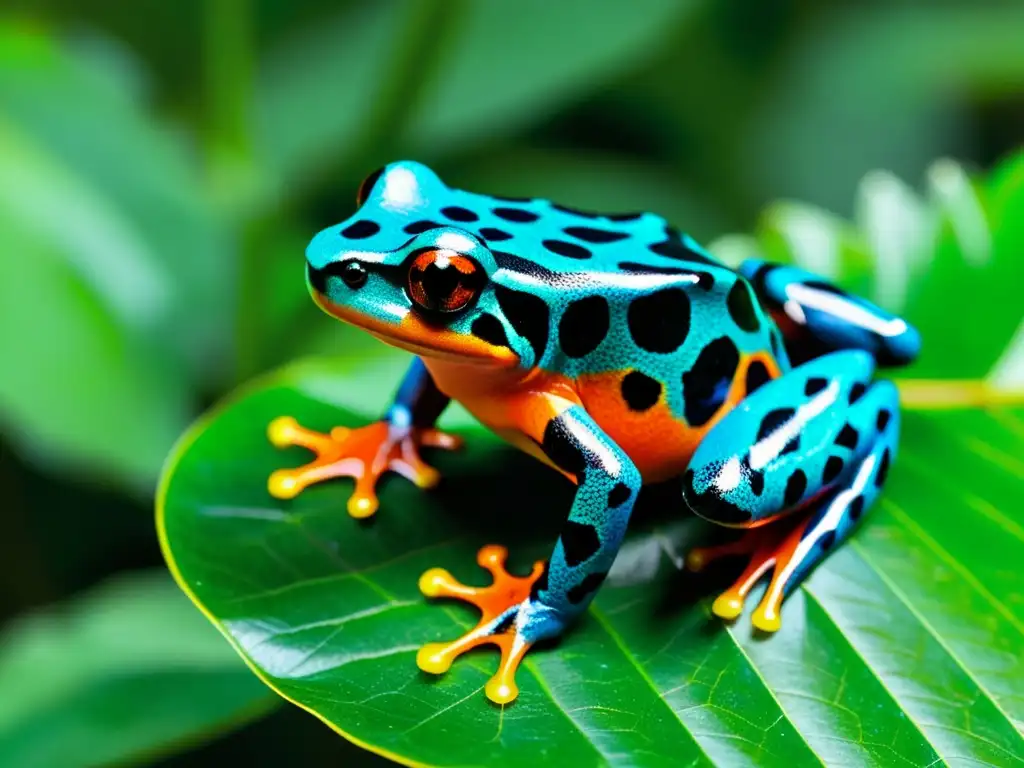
659	444
658	441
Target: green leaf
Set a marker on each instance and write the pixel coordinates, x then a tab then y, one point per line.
487	88
976	253
115	275
126	671
897	68
79	390
906	646
316	91
91	177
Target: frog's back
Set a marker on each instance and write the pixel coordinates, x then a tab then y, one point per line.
660	338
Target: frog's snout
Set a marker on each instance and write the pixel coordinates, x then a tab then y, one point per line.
316	279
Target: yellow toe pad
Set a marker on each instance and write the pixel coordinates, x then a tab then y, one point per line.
497	603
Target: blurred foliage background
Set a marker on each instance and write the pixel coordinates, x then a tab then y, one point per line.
162	166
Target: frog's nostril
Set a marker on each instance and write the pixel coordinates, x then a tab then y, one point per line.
354	275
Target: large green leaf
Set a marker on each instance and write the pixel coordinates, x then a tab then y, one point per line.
95	177
317	91
113	273
78	389
562	51
905	647
72	678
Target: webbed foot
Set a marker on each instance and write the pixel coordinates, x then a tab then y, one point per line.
363	454
505	607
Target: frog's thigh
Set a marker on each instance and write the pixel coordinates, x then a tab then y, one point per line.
794	440
833	518
823	457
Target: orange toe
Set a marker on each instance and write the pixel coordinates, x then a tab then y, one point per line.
772	548
496	625
363	454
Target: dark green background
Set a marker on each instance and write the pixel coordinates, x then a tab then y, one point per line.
162	165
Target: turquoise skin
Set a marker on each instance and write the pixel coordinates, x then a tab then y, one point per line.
564	330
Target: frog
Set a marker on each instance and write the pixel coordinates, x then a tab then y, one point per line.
620	352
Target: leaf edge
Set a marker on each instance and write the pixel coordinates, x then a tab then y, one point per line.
970	392
167	472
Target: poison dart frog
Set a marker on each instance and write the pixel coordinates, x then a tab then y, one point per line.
620	352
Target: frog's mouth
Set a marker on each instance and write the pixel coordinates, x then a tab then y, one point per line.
414	335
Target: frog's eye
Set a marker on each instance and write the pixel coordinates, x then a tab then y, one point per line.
444	281
366	186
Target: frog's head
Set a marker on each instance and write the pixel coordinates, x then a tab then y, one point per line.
392	270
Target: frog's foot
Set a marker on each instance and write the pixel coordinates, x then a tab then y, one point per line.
503	606
363	454
770	546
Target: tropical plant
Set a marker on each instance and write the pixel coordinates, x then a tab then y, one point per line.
162	166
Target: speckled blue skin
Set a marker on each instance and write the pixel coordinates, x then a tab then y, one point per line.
576	295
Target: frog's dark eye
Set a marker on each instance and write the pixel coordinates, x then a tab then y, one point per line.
367	186
444	281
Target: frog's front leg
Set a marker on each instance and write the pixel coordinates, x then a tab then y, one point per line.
814	446
519	611
366	453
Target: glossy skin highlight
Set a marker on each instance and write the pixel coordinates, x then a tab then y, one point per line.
618	351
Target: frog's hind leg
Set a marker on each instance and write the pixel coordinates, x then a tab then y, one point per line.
829	523
819	465
817	316
792	551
